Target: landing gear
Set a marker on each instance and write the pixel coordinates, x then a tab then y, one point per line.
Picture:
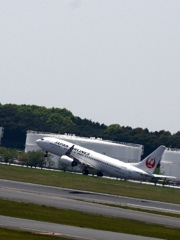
74	163
99	174
46	154
85	172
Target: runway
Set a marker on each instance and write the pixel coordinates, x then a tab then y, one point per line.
91	196
86	202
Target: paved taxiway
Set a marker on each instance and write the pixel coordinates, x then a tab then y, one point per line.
65	231
71	199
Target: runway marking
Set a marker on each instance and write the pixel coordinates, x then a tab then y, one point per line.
157	209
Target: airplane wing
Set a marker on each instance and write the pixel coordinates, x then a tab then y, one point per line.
87	165
163	176
68	153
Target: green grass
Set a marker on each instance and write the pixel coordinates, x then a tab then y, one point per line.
75	218
81	182
70	217
7	234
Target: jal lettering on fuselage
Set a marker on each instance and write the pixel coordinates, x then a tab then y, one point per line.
79	151
62	144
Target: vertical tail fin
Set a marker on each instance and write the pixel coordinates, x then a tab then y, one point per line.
149	163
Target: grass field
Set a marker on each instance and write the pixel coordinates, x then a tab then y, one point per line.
69	217
80	219
81	182
7	234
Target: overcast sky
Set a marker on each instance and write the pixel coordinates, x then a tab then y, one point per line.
110	61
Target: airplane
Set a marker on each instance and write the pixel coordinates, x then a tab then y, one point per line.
73	155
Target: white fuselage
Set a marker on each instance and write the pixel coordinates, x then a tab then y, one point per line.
110	166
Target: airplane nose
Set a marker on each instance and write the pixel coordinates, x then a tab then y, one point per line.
38	142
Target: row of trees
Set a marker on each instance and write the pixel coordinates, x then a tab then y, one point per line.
17	119
30	159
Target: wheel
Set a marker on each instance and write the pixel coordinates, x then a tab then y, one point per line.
85	172
74	164
45	155
99	174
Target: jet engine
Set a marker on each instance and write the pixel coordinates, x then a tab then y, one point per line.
66	160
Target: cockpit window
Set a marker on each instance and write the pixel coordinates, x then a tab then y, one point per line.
42	138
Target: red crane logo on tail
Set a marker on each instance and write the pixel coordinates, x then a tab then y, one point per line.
150	162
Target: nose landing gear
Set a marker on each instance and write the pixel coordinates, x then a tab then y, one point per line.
46	154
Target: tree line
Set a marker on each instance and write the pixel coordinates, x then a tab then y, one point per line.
32	159
29	159
17	119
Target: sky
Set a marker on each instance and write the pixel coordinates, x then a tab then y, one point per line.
109	61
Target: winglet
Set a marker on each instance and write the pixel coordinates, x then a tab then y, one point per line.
69	150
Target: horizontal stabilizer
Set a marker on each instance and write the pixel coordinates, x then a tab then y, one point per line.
163	176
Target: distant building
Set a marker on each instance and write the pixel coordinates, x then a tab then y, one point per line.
126	152
170	163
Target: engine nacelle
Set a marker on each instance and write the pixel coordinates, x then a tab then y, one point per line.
66	160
